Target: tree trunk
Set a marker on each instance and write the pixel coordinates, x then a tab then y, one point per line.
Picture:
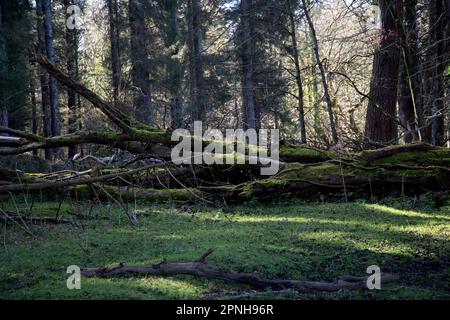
51	54
313	94
140	64
72	58
176	113
298	76
247	66
196	60
116	116
322	74
381	123
3	111
44	79
409	101
4	117
174	66
437	47
115	50
34	123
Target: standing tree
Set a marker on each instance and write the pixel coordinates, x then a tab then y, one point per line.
437	27
140	62
322	73
173	64
195	47
72	63
44	79
381	123
15	34
247	65
34	119
113	14
409	98
52	84
298	76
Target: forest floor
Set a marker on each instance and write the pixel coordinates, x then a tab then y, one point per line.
289	240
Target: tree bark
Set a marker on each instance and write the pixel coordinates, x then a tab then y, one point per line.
409	97
72	62
53	85
196	61
298	75
44	80
115	50
437	53
313	94
140	63
4	116
34	120
115	115
3	111
322	74
174	65
76	182
200	268
247	66
447	10
381	123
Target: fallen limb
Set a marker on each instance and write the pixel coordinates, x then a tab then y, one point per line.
138	130
372	155
117	140
151	195
116	116
75	182
6	141
35	220
200	268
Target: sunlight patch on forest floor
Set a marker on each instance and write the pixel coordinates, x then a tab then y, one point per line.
290	240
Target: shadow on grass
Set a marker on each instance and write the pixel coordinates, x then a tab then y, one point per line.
298	242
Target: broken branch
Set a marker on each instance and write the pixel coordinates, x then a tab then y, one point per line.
200	269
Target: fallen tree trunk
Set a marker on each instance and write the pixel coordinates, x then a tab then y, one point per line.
116	116
82	181
117	140
392	171
130	193
10	141
412	170
138	130
200	268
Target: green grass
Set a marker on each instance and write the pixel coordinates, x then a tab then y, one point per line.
297	241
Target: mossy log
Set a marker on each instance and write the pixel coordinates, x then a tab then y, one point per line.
392	171
411	169
107	192
42	185
304	154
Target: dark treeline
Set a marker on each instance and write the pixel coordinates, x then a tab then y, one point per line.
323	79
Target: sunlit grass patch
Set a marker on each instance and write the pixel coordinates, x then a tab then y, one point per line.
297	241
